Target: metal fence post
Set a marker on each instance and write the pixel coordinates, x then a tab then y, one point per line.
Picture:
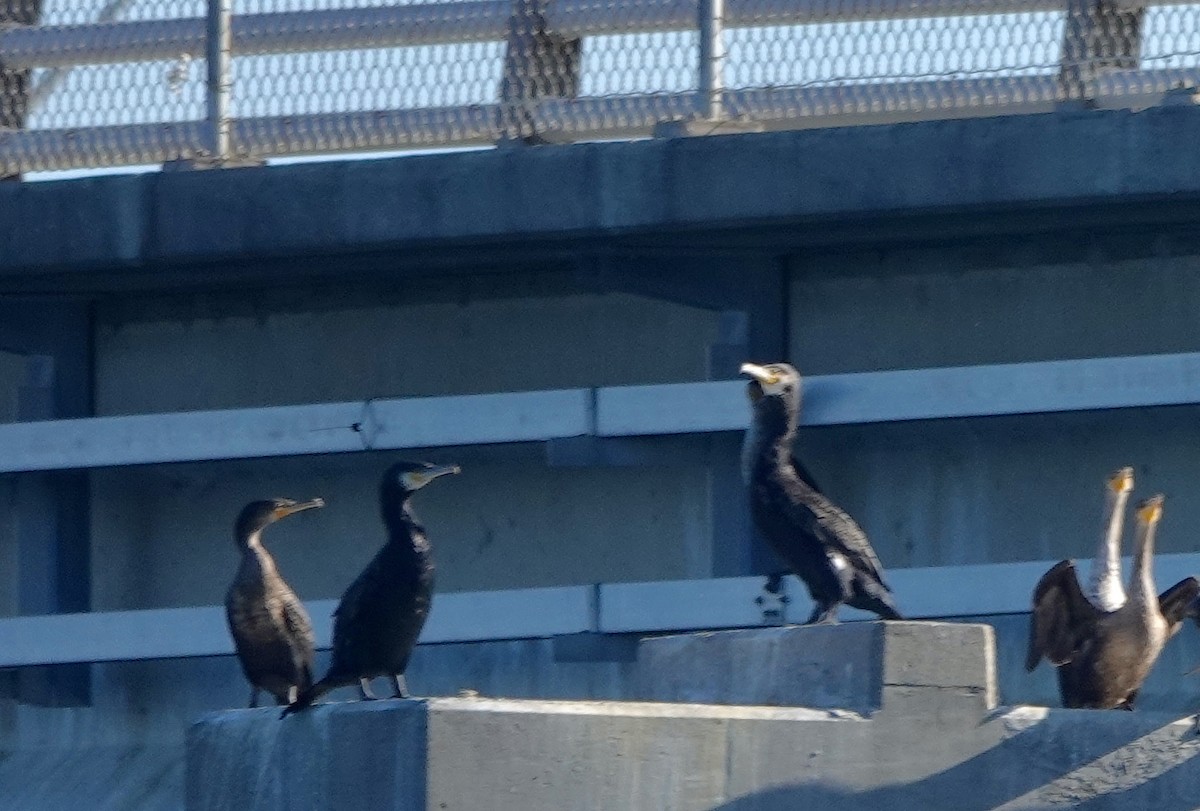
218	48
15	84
711	96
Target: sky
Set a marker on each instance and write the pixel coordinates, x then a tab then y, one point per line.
464	74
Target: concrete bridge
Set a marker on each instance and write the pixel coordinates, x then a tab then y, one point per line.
993	313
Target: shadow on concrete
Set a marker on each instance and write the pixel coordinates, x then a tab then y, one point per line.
1046	766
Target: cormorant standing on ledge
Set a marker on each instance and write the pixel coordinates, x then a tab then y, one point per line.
1103	657
816	539
271	630
377	623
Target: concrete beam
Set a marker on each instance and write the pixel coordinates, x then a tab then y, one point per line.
550	203
643	417
612	609
935	743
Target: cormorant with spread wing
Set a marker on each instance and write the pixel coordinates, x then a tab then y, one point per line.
823	545
380	616
271	631
1103	656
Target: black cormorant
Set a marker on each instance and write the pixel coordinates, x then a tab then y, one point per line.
1103	657
814	537
271	630
380	616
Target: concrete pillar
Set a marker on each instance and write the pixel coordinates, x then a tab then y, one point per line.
52	509
1097	34
750	291
537	63
14	84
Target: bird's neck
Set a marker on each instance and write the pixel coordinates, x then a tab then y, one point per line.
1105	589
254	552
404	530
1141	589
769	438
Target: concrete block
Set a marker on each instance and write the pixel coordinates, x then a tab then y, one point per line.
864	666
338	756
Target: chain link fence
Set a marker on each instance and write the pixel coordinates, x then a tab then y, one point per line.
88	83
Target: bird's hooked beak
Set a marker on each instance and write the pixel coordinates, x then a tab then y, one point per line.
762	375
299	506
1121	481
1150	510
419	478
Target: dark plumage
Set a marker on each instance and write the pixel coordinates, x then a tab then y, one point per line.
1103	657
380	616
271	630
814	537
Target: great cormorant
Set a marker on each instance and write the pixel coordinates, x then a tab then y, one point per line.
380	616
814	537
1103	657
271	630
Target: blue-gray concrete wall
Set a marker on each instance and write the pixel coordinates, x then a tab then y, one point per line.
928	244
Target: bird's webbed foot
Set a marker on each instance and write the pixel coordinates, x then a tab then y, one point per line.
364	688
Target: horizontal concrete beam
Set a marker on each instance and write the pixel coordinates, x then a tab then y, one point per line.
557	198
617	608
421	422
620	411
169	633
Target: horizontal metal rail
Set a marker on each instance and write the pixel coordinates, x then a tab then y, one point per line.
460	21
565	119
617	411
639	608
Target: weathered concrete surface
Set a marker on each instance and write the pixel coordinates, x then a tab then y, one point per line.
174	222
926	748
865	666
107	778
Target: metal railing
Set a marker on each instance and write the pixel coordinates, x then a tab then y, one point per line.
110	82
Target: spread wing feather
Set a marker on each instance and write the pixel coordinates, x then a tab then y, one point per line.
1062	618
1179	602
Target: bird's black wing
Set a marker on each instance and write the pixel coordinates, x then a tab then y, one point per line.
1179	602
841	533
1061	618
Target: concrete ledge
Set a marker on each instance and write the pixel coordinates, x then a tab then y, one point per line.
909	725
864	667
516	197
510	755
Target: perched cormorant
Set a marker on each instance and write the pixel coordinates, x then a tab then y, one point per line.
271	630
1104	656
380	616
813	536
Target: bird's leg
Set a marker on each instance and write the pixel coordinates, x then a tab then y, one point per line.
292	693
823	614
401	686
364	687
253	696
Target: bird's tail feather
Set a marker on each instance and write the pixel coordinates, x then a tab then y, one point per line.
879	600
307	697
